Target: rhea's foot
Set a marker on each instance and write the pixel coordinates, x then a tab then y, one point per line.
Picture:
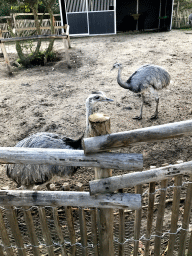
153	117
137	117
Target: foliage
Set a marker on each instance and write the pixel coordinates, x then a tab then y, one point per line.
5	7
184	4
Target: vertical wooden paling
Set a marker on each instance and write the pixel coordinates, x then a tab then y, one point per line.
83	228
59	232
94	230
100	125
31	231
186	216
150	216
160	217
175	214
121	229
11	216
45	231
4	236
189	253
137	225
70	224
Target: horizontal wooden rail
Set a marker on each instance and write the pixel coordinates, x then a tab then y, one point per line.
114	183
14	39
69	198
148	134
68	157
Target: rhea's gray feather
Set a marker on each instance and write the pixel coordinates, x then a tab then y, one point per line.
28	175
148	79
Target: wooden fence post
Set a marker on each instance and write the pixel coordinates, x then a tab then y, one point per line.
100	125
5	54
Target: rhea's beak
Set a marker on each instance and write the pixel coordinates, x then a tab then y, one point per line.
109	99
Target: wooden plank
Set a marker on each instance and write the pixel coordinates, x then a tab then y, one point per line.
37	37
160	216
69	198
148	134
189	253
34	28
175	214
68	157
45	231
59	232
121	229
150	216
31	231
4	236
137	224
99	125
83	231
11	216
1	250
70	224
94	231
186	217
129	180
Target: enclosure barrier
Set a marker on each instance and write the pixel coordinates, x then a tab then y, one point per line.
160	225
65	36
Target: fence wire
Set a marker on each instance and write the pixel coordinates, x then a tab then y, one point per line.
129	222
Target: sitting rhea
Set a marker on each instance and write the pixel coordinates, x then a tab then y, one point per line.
28	175
148	79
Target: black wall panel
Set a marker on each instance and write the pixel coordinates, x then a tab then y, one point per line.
78	23
101	22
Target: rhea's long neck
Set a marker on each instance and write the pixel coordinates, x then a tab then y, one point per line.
120	81
89	111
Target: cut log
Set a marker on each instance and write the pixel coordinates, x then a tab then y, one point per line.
148	134
68	157
69	198
132	179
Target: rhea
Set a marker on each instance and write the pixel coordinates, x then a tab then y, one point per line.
27	175
148	79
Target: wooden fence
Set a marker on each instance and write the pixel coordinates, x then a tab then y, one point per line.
181	18
96	222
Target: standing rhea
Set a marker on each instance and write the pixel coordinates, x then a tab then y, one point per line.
147	79
27	175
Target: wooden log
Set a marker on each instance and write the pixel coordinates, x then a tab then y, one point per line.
37	37
5	237
11	216
45	231
160	217
175	214
99	125
132	179
186	218
137	224
31	231
70	158
59	232
69	198
148	134
150	216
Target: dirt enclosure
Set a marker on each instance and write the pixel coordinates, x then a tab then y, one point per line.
52	98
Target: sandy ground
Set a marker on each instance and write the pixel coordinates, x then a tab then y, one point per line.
52	98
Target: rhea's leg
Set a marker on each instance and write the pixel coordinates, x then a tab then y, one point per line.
155	116
141	112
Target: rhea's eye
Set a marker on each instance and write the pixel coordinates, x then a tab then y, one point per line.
97	97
